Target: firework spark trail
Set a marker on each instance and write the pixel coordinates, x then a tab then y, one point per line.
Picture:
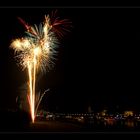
36	52
39	100
30	91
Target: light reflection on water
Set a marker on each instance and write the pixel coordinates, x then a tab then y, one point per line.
118	124
130	124
109	122
126	123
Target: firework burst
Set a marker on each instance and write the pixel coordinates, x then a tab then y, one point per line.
35	52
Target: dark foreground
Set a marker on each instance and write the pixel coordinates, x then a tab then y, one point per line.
58	126
20	122
54	126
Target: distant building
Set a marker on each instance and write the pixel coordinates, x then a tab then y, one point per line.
89	109
22	99
103	113
22	103
128	113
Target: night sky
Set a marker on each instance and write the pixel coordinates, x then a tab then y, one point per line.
97	63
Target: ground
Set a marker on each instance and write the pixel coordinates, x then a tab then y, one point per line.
53	126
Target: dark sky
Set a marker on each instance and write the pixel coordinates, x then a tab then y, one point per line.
97	64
